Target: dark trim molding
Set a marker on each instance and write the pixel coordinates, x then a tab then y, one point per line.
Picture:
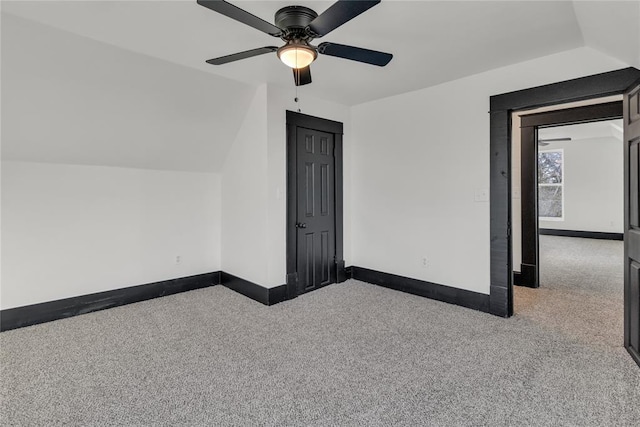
348	273
19	317
568	116
584	234
461	297
530	249
517	278
28	315
529	275
634	354
596	86
266	296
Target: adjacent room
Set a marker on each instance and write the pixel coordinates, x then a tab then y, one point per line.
307	213
581	216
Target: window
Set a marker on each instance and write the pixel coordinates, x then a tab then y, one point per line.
550	185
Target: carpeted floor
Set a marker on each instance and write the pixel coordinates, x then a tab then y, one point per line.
348	354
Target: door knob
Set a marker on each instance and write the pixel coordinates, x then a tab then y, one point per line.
301	225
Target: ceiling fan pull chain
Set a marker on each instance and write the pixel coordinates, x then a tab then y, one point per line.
297	101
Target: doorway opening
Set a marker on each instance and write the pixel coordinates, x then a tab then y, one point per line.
626	82
572	186
551	127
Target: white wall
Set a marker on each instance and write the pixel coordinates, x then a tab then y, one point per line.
71	230
244	196
593	185
418	160
254	185
155	135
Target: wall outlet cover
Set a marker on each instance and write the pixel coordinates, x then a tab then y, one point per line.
481	195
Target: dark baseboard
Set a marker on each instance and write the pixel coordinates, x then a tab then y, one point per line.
517	278
19	317
348	273
584	234
341	272
634	355
462	297
528	276
266	296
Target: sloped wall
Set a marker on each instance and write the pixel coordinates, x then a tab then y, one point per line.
111	165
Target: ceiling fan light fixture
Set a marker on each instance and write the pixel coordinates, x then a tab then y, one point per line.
297	55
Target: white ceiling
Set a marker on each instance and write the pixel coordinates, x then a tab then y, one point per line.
432	42
604	129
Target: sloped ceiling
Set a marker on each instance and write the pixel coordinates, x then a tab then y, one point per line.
612	28
432	41
68	99
141	65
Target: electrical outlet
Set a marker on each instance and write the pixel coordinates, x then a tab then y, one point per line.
481	195
178	259
424	262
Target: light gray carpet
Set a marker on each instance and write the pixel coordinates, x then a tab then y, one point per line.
348	354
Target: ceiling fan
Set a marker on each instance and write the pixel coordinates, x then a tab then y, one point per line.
297	26
545	142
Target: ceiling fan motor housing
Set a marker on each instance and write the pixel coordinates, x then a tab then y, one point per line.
294	20
298	26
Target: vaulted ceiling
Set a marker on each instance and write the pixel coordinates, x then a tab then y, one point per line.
125	83
432	41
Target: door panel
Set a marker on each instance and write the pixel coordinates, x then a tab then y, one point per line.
634	302
315	214
631	108
633	185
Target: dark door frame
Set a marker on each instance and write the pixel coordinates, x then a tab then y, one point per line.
501	107
294	121
631	107
529	125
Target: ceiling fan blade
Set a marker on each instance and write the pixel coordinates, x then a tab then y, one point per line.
240	15
355	53
302	76
554	140
241	55
339	13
